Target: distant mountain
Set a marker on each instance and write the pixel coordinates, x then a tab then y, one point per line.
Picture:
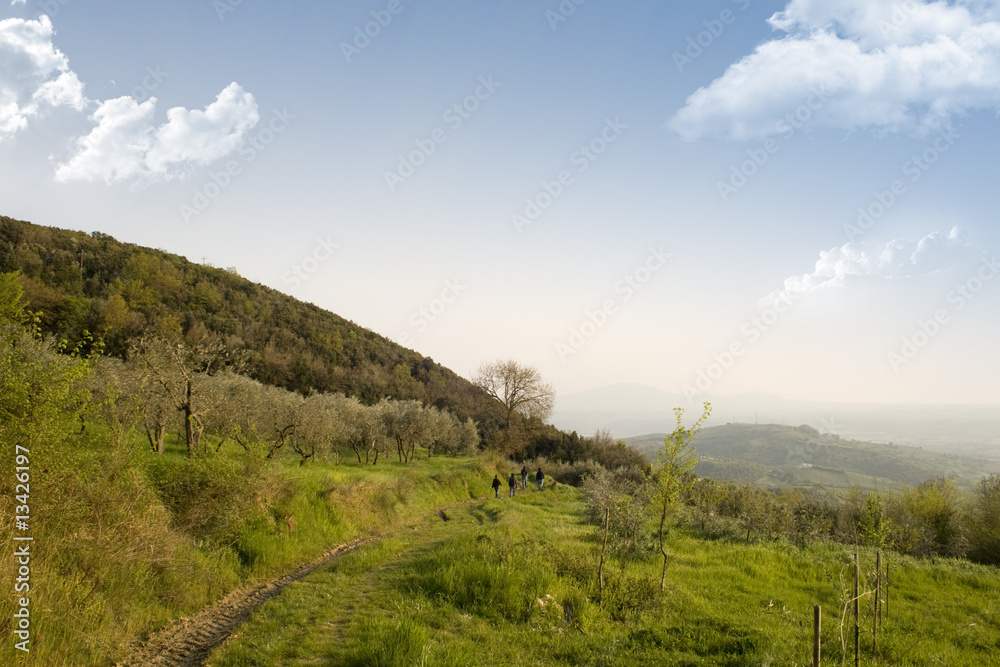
120	291
631	409
801	456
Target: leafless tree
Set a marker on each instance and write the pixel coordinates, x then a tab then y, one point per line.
519	389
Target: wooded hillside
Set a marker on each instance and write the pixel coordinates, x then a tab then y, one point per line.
118	291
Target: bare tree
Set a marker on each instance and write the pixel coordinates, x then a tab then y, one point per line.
520	390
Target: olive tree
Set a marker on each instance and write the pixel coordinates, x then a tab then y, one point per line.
181	371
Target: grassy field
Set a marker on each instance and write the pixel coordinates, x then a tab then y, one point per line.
513	581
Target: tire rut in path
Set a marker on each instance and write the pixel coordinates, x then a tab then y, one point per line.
189	641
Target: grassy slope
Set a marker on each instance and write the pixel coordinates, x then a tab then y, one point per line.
116	558
466	592
773	454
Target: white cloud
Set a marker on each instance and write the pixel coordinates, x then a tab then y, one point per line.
125	144
116	149
902	65
896	260
200	137
34	75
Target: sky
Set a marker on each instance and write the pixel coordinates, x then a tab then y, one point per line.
707	198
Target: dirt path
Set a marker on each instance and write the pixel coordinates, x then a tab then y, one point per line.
189	641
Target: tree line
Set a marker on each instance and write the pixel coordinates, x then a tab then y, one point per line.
165	386
931	519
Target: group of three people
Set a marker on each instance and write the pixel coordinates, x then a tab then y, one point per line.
512	482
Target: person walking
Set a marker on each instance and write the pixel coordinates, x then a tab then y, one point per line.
496	486
512	483
540	478
524	478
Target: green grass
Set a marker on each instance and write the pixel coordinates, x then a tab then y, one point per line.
513	582
126	541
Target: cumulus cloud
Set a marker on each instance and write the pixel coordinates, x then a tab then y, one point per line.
34	75
886	65
898	259
126	144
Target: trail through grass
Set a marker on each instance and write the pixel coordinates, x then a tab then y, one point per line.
514	581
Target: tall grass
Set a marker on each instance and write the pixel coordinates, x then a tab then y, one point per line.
126	540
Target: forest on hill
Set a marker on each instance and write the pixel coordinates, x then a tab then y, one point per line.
91	282
93	290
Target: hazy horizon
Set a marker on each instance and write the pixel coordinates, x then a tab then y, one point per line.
790	197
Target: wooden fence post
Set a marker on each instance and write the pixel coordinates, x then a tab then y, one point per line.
878	602
817	623
857	612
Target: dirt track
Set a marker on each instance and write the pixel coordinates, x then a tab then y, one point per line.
189	641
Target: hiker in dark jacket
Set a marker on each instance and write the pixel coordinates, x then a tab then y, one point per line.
496	486
540	478
524	478
512	483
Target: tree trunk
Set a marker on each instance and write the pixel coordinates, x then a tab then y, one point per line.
604	547
189	433
155	437
663	549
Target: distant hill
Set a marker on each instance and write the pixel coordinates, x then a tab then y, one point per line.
790	456
632	409
118	290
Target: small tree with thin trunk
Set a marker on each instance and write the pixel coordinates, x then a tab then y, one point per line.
671	476
520	390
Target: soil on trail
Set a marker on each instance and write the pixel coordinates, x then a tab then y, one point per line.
189	641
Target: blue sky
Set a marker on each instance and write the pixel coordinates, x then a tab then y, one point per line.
721	197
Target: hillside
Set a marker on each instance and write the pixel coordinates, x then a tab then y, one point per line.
773	455
119	291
